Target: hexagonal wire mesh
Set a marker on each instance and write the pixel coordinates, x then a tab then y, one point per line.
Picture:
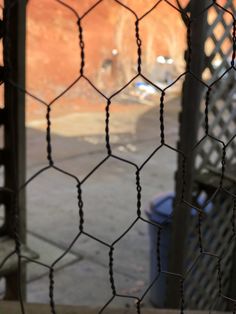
218	115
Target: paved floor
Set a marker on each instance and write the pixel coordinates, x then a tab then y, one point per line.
13	308
109	195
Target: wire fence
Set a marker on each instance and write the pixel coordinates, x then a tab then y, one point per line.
200	233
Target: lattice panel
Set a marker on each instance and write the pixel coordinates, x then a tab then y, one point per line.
222	102
217	229
220	98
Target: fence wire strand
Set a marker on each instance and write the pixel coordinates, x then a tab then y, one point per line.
202	251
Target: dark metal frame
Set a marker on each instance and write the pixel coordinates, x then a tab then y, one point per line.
13	155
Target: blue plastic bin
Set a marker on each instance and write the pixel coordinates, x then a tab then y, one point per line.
160	211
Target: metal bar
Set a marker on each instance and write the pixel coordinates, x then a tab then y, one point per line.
14	135
189	124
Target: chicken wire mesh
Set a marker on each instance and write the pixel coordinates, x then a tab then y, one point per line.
212	239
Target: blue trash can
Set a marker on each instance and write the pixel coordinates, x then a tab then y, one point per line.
160	212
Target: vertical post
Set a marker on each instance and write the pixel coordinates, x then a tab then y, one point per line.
14	133
232	288
189	124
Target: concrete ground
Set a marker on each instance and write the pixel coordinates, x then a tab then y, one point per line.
13	308
109	196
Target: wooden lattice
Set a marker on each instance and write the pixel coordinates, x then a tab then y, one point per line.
217	224
222	109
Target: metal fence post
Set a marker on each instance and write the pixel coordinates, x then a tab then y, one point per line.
189	123
14	133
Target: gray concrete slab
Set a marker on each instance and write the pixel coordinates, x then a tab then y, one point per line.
13	308
110	202
83	283
48	253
